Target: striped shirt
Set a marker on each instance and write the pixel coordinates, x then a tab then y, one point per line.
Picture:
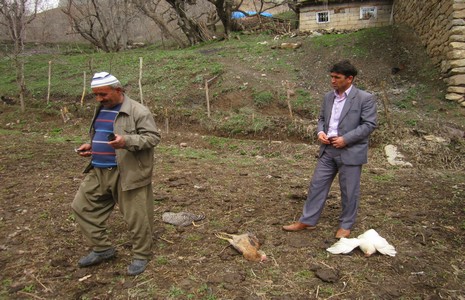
103	155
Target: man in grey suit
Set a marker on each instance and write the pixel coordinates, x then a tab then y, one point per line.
347	118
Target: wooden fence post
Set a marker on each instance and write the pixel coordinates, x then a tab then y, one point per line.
207	98
140	80
83	90
289	86
207	81
386	105
49	80
167	121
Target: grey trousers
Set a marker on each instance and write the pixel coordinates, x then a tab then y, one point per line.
99	192
329	164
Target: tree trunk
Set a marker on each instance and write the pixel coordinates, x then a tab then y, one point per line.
15	16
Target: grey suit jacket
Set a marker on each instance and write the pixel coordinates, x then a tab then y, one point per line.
358	120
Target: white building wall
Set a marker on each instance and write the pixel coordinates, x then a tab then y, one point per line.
344	16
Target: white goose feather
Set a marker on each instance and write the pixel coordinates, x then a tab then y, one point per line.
369	242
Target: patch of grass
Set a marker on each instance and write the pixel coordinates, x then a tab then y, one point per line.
413	94
245	121
175	292
193	237
71	218
411	122
326	291
216	224
383	178
327	41
161	260
29	288
303	99
218	142
304	275
356	44
262	98
6	284
188	153
9	132
44	215
22	155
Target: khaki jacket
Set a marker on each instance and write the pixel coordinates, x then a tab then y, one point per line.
135	162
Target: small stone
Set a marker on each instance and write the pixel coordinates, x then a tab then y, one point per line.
327	275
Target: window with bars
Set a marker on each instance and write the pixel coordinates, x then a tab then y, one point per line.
367	13
322	17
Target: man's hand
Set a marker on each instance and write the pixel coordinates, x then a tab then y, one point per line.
338	142
118	142
84	150
323	138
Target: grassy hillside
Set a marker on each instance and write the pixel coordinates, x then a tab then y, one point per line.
251	79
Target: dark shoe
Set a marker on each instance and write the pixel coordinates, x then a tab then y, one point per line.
137	266
342	233
298	226
94	258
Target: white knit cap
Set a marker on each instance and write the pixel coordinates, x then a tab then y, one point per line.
103	79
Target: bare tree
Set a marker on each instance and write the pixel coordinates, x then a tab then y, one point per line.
103	23
188	25
16	15
160	15
265	5
176	15
224	9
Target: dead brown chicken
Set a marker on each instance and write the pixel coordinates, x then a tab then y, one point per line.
247	244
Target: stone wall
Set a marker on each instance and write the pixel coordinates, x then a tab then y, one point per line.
344	16
441	27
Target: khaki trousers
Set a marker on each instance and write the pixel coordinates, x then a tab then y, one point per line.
95	200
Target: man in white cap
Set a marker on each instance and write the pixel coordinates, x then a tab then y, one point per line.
123	134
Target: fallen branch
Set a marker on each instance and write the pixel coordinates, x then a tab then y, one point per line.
168	241
45	288
32	295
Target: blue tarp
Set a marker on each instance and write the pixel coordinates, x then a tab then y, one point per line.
239	15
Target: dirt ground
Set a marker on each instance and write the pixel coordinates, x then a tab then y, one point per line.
241	185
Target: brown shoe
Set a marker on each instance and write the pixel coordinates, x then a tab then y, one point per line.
342	233
298	226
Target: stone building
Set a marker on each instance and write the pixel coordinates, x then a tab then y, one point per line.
343	15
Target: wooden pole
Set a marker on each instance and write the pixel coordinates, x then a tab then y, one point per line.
140	80
83	90
288	92
167	122
386	105
49	80
289	86
207	98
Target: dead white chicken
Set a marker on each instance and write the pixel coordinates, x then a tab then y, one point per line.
181	218
369	242
247	244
